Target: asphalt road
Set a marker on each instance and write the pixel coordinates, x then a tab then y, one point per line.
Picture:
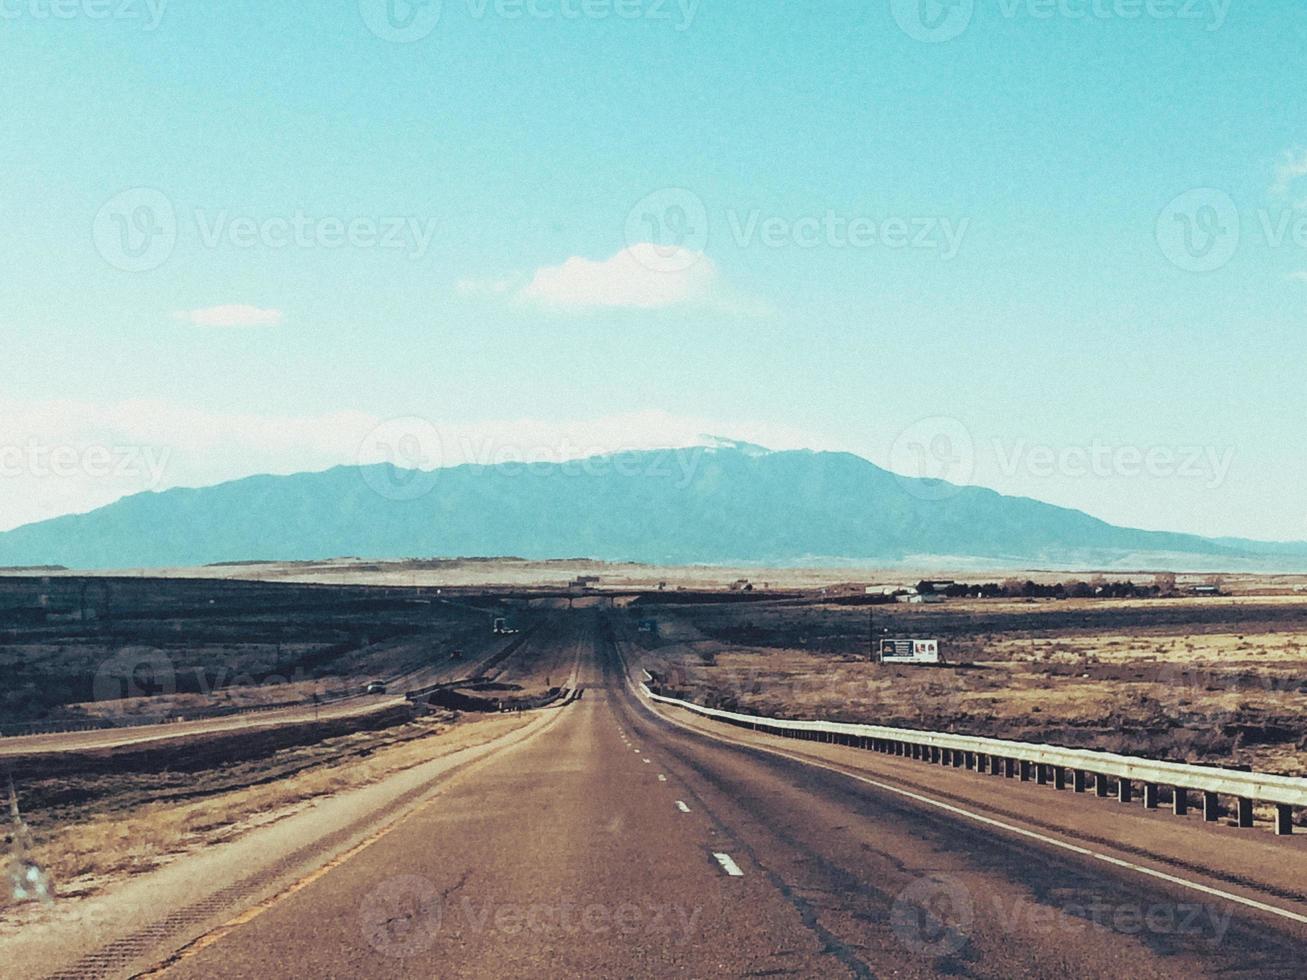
618	842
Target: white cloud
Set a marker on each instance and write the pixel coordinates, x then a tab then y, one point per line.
1291	168
232	315
1300	276
644	277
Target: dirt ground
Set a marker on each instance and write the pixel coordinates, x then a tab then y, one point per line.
1220	681
95	818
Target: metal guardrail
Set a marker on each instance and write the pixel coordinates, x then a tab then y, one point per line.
1286	792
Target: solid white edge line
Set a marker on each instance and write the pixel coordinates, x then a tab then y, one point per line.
728	865
1033	835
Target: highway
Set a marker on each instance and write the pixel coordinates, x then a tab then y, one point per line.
613	840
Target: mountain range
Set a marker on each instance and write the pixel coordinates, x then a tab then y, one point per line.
721	503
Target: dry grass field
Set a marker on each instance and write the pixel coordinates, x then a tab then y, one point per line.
1203	680
102	817
66	641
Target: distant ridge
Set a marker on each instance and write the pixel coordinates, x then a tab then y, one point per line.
724	502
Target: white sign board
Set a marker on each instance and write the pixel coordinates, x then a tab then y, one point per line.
909	651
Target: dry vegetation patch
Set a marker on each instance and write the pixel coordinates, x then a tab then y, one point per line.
122	826
1202	680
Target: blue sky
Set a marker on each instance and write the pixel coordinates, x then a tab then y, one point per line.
470	250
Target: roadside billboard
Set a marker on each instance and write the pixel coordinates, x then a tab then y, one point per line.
909	651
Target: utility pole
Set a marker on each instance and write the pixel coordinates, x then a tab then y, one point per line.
871	633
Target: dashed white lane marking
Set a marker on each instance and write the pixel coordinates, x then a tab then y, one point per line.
1251	903
680	805
662	778
729	865
646	761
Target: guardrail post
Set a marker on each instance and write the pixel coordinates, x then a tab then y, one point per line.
1041	774
1077	780
1059	777
969	758
1244	811
995	765
1179	801
1150	796
1025	771
1009	768
1124	790
1283	819
958	759
1211	807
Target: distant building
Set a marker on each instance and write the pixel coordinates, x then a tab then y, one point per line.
937	585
